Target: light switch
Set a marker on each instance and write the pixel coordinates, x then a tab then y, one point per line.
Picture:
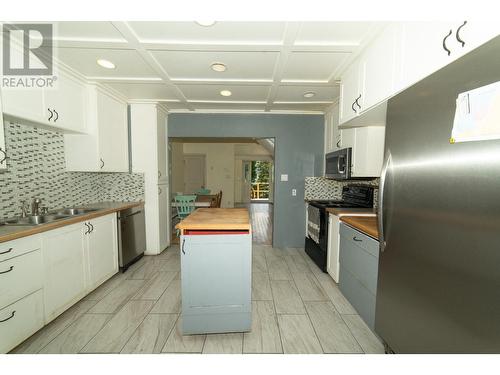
284	177
294	192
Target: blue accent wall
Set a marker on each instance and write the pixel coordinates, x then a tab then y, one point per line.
298	153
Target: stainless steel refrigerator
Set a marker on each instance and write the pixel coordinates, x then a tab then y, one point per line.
439	268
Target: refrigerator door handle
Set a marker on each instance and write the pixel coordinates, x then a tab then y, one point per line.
381	202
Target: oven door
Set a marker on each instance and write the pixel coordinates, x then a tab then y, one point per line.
338	164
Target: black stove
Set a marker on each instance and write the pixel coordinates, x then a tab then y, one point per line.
316	244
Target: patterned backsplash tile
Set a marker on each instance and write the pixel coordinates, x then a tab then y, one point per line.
324	188
36	168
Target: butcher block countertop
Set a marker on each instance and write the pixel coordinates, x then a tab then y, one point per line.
217	219
365	224
342	211
13	232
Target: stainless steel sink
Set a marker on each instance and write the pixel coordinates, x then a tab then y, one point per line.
76	211
34	220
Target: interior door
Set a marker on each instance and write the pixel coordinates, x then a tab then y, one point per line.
246	186
194	173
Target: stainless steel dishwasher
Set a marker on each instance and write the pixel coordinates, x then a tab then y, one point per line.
131	236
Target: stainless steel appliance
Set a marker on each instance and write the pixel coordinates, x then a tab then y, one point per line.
316	243
439	267
338	164
131	236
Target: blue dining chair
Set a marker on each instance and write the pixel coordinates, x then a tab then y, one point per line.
185	205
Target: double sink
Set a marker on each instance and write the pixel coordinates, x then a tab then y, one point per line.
50	217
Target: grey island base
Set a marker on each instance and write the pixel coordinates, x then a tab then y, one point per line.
216	271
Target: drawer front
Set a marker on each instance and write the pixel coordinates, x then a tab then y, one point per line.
362	264
26	317
365	242
359	297
18	247
20	276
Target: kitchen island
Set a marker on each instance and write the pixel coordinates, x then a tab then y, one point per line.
216	271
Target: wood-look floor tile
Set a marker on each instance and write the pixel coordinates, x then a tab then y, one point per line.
333	333
179	343
286	298
115	334
297	264
77	335
264	336
104	289
118	297
368	341
146	271
151	335
333	292
261	287
170	300
309	287
297	335
154	288
259	263
274	252
259	249
278	270
171	264
224	343
44	336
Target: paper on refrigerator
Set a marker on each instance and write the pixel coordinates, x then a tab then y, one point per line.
477	115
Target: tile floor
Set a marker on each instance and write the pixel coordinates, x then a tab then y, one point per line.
296	309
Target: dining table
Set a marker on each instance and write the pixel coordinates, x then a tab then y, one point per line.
204	200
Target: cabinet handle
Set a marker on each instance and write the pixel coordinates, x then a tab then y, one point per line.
102	163
159	190
182	247
159	174
338	143
91	227
352	106
359	97
444	43
10	317
57	115
457	34
88	228
10	269
355	239
7	251
4	156
51	114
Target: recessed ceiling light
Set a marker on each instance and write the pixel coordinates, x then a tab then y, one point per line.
219	67
106	64
205	23
309	94
226	93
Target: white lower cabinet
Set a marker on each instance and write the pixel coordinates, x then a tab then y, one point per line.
102	250
64	268
332	259
20	320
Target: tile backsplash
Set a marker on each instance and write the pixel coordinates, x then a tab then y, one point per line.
324	188
36	168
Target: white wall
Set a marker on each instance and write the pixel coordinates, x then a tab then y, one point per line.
219	168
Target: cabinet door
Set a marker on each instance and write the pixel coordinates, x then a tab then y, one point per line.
368	151
349	91
113	134
163	222
63	252
162	148
68	99
379	66
102	250
348	137
332	133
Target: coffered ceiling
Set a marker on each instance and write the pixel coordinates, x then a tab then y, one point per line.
269	65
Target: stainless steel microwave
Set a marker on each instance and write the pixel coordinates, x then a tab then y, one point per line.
338	164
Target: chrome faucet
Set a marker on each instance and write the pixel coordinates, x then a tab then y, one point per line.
24	209
35	206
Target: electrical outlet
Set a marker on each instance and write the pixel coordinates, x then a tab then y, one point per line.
294	192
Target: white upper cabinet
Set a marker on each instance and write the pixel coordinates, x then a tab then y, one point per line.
379	67
105	146
367	145
349	91
67	102
332	132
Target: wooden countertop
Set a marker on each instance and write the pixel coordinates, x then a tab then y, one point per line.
342	211
217	218
12	232
365	224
